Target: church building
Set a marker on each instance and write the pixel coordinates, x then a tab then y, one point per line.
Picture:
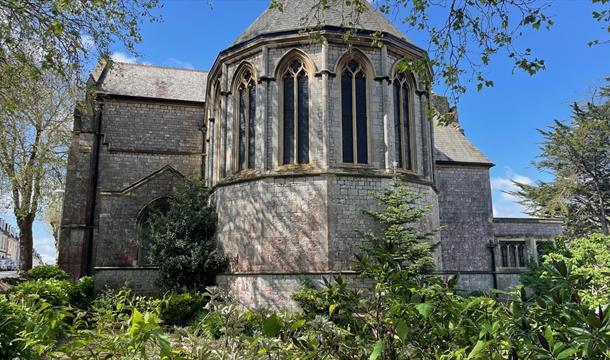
291	132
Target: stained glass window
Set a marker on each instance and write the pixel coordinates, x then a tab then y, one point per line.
354	127
246	97
295	126
402	122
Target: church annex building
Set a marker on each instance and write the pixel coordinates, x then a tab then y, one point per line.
291	134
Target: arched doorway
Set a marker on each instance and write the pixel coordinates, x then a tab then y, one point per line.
145	220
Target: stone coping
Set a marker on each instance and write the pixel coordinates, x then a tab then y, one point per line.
288	172
528	220
137	268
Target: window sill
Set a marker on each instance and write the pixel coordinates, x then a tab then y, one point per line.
355	166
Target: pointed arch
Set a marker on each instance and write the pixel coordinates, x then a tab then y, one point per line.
355	73
403	99
294	73
244	88
144	222
358	55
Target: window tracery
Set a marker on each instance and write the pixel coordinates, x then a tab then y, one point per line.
295	113
354	122
402	121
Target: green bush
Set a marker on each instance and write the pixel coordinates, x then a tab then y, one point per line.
45	272
81	293
182	308
55	292
182	241
12	322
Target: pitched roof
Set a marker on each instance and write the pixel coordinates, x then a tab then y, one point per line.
451	145
305	14
117	78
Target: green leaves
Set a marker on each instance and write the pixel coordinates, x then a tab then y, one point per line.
377	350
424	309
272	326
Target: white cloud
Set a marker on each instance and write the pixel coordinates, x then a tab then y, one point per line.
120	56
88	42
179	63
505	204
46	248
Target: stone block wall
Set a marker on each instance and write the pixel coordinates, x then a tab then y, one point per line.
324	108
141	280
527	227
274	291
274	224
274	229
466	220
145	149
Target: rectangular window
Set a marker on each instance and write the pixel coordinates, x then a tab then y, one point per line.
288	135
513	254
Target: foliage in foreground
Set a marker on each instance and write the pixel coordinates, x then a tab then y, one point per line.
182	240
407	314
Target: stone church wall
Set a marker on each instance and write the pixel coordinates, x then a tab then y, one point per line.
146	148
275	230
466	219
274	224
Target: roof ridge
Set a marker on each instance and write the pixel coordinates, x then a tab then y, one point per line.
160	67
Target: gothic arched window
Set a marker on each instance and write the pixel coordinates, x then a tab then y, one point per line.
246	111
402	122
354	123
219	165
144	226
295	114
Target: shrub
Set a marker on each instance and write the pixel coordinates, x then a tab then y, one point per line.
45	272
12	322
181	309
182	241
55	292
81	293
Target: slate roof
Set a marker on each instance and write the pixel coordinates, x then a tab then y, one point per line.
451	145
149	81
302	14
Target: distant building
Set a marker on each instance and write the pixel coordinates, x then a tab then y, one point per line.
36	259
9	241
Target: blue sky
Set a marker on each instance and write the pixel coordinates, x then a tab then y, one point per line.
501	121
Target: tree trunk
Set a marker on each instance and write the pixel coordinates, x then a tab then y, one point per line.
26	240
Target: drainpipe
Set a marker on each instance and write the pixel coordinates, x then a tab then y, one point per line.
492	248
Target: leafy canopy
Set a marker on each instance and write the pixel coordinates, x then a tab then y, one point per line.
577	154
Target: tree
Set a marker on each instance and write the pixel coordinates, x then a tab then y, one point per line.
34	138
60	35
464	35
44	46
577	154
182	241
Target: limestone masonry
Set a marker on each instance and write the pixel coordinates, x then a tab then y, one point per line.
291	133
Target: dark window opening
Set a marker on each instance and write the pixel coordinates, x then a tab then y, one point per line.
295	126
513	254
247	114
402	122
354	123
